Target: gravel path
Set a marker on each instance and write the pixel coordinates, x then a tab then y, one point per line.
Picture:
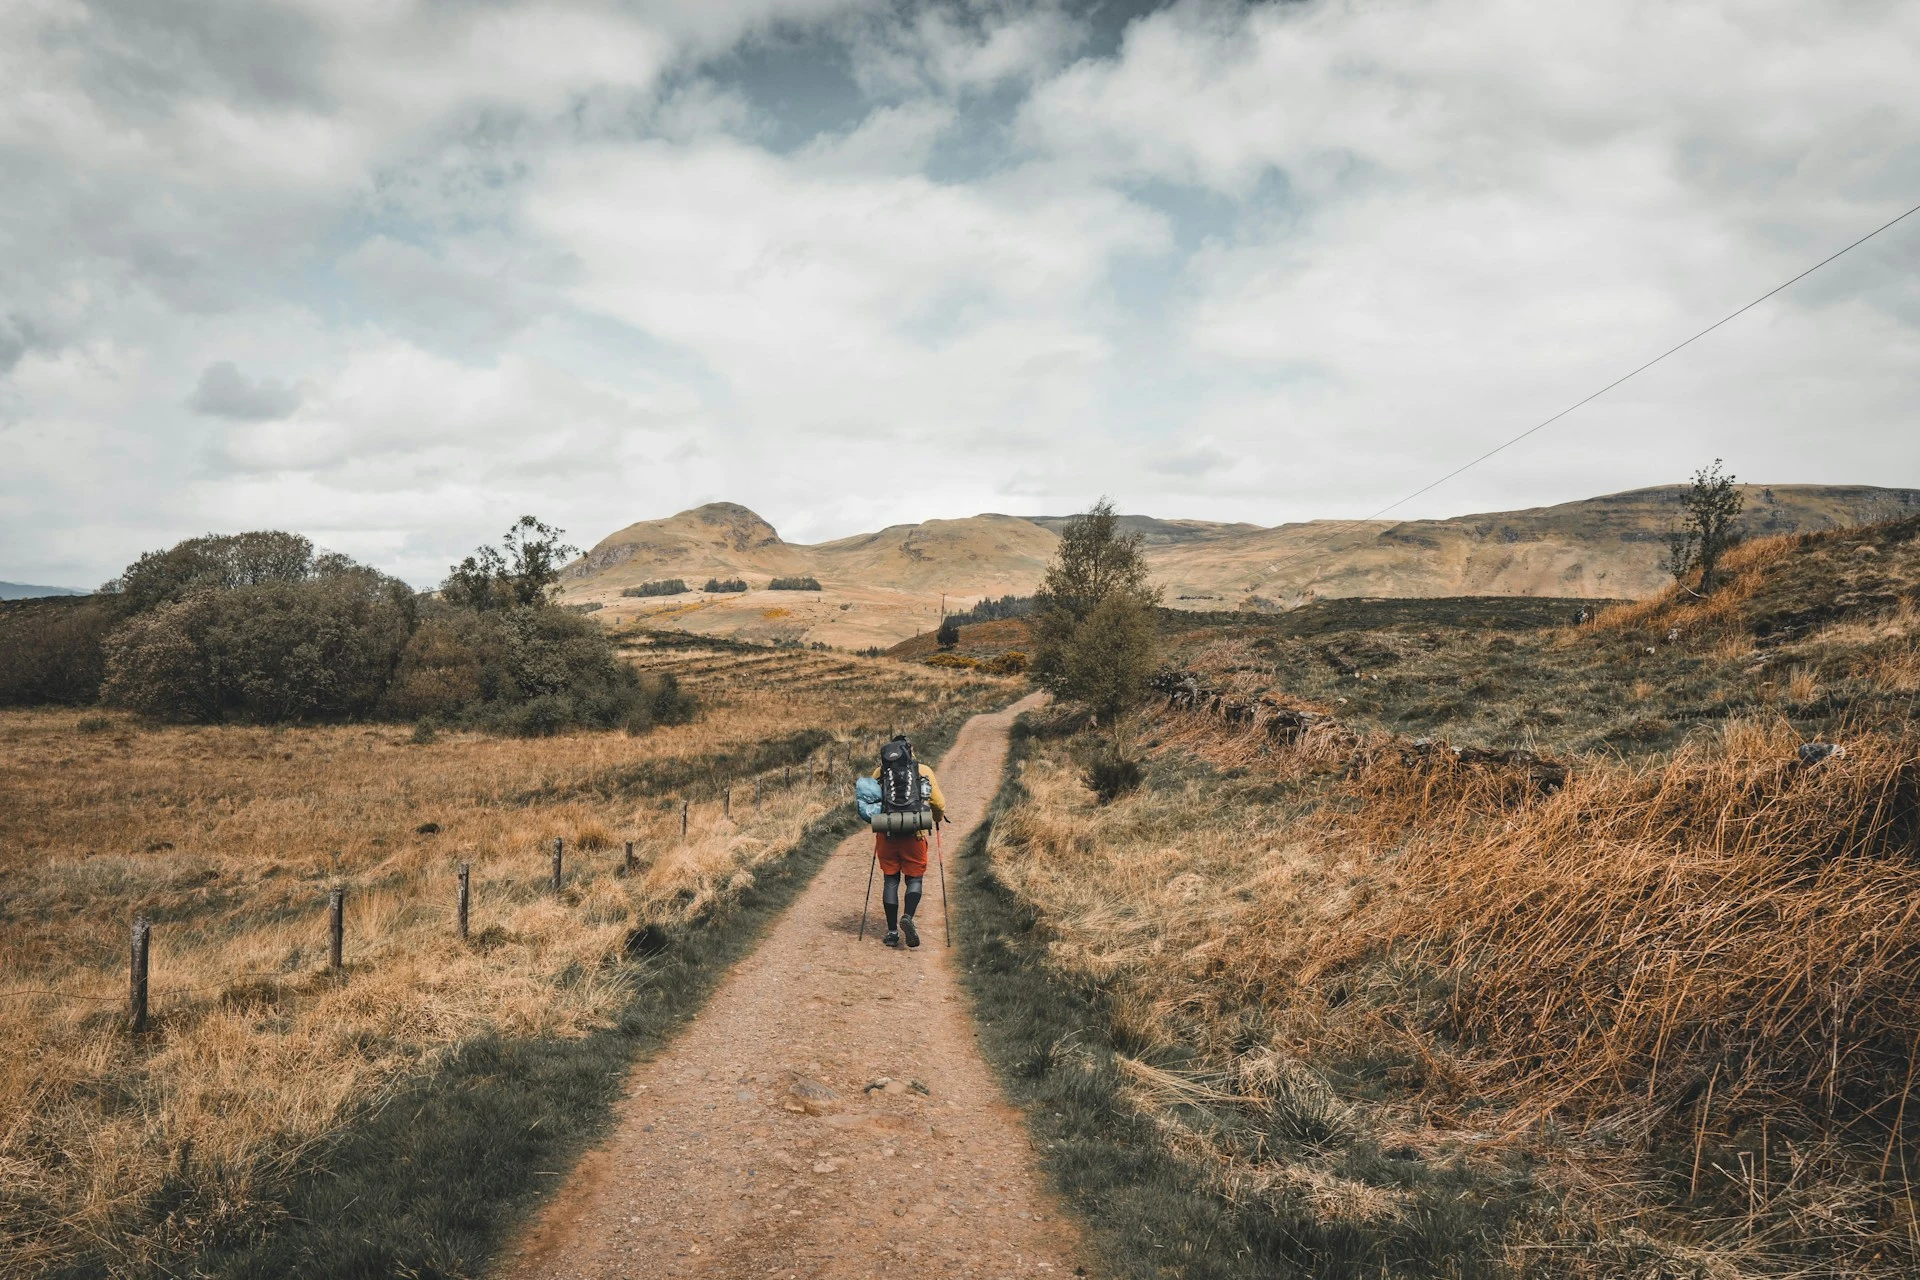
827	1115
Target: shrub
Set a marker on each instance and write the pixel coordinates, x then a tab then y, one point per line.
958	661
50	650
718	587
949	633
320	649
658	587
527	672
1111	776
662	701
439	672
1011	663
794	584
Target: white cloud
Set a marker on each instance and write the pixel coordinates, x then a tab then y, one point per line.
394	271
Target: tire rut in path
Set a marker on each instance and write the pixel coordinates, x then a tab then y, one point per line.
751	1146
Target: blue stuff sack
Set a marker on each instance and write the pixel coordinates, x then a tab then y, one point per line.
866	797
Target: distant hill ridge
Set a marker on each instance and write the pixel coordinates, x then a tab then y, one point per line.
885	585
27	591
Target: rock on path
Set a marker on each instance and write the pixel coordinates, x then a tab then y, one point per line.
827	1115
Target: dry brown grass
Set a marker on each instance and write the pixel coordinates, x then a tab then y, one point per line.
229	838
1743	571
1688	986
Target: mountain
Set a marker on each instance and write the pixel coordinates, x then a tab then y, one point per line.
24	591
879	588
1161	533
721	539
1608	546
981	555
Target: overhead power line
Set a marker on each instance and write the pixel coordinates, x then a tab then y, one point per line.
1588	399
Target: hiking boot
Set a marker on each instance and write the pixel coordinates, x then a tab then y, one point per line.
892	939
913	934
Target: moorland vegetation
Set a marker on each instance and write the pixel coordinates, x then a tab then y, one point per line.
1452	945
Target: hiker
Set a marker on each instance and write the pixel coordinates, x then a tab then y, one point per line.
901	800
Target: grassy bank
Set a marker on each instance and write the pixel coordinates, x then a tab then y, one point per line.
1639	1012
1302	1190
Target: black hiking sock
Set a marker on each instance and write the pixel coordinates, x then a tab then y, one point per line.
913	902
893	916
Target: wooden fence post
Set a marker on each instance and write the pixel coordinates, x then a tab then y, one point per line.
683	819
726	802
556	864
626	866
336	925
460	915
756	791
786	775
137	985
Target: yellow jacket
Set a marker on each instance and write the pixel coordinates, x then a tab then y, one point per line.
938	801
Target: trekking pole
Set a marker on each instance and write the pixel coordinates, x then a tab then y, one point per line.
868	901
940	853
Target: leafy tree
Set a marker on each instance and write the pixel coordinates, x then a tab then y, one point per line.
949	633
1111	657
1095	641
1710	504
1095	560
658	587
989	610
50	649
515	576
217	562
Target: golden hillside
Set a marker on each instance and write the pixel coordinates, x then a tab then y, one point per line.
1606	546
879	588
987	555
719	539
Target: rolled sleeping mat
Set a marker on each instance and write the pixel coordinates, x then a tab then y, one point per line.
898	824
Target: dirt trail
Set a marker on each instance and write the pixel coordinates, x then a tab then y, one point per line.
754	1144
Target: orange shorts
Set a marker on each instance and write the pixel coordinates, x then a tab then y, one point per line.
906	853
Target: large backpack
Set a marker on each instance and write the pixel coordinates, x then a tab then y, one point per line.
900	779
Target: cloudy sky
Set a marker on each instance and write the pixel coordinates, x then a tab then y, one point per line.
392	272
